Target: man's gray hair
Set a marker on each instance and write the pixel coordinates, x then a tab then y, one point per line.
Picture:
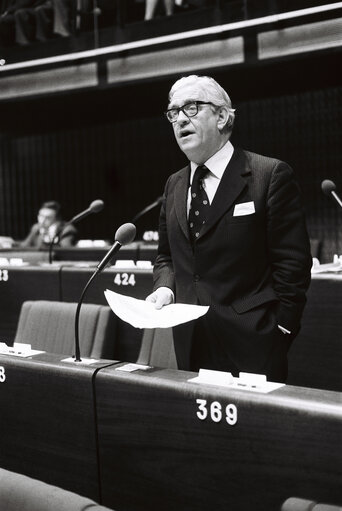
213	92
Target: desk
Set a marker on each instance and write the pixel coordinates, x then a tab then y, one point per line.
155	453
138	250
131	281
30	255
18	284
315	359
95	254
126	281
47	427
65	283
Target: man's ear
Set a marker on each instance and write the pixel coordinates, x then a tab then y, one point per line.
223	117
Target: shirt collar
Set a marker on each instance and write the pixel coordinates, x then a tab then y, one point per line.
218	162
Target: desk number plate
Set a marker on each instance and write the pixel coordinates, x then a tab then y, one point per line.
2	374
124	279
216	412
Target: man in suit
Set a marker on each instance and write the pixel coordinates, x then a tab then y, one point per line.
234	238
50	227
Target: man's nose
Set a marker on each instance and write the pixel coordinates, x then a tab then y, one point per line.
182	118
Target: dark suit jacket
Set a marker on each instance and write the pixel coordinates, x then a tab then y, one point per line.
67	237
252	270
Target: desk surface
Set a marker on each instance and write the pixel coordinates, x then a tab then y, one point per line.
47	427
155	449
138	250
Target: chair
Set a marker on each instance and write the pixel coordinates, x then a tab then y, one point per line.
49	326
22	493
296	504
157	348
316	248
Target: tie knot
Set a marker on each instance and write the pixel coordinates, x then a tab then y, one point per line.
200	173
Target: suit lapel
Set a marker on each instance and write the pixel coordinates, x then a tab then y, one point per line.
232	184
230	187
181	197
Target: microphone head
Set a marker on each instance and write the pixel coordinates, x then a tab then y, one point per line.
96	206
328	186
125	234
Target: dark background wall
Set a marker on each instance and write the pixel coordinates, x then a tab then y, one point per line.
116	145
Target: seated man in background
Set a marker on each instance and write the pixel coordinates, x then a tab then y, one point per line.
48	227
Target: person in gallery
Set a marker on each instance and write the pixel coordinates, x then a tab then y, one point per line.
50	226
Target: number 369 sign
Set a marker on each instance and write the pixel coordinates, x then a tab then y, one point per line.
216	412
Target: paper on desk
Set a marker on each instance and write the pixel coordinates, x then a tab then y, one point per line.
142	314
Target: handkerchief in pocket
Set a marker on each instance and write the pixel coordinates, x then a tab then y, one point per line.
245	208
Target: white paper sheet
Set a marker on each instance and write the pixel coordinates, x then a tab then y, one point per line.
142	314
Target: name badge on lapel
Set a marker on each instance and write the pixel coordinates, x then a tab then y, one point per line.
245	208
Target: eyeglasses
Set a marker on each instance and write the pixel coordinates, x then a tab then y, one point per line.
190	110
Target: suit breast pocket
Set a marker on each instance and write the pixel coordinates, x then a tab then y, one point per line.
242	219
244	233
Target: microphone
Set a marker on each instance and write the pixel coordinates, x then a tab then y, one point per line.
124	235
95	207
329	187
148	208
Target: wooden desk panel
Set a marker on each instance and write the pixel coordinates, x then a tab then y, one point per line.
20	284
47	422
315	359
134	282
157	454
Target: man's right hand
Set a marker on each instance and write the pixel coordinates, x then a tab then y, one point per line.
162	296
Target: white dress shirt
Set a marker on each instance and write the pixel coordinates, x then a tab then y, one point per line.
216	166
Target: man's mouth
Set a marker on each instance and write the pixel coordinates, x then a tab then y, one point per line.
185	133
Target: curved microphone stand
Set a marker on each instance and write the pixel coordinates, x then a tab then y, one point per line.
124	235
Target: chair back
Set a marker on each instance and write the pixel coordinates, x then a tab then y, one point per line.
50	326
157	348
21	493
